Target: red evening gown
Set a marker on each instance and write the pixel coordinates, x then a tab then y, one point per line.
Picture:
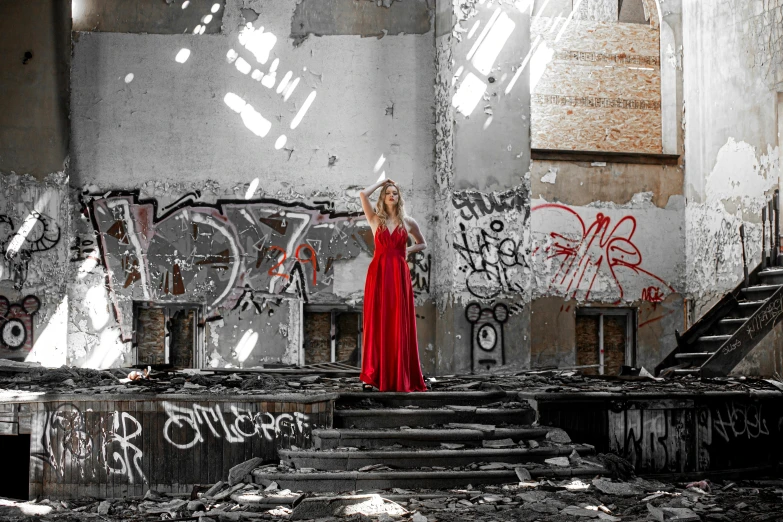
390	356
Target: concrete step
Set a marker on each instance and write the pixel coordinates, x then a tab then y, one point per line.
432	399
758	292
696	357
771	276
687	371
417	438
419	479
335	460
422	418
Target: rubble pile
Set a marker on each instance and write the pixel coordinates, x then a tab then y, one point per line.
571	500
30	377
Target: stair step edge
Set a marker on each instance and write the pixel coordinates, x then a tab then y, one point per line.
425	454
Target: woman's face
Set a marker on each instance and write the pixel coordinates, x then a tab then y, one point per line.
391	196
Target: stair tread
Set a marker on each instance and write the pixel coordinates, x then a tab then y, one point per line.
725	337
418	473
752	303
445	432
759	288
733	320
430	395
771	271
693	355
418	411
565	449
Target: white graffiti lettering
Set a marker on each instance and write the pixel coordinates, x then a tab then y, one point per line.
121	434
183	428
740	420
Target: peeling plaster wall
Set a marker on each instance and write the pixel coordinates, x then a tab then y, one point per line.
34	226
731	142
249	115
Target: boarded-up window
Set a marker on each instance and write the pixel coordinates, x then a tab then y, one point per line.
317	337
166	335
596	79
321	325
608	330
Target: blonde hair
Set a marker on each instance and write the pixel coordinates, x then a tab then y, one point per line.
380	207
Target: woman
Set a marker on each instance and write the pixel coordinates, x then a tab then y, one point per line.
390	359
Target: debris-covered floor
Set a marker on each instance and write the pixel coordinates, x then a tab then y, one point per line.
32	378
550	501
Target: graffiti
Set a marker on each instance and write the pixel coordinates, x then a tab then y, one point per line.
187	426
65	439
493	264
16	326
474	205
215	253
83	249
649	438
128	453
487	338
765	317
419	266
599	253
37	233
739	420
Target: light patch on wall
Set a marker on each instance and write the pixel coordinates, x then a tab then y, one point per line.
280	142
51	345
242	65
541	58
246	345
349	275
182	56
379	164
551	176
185	4
469	94
303	110
251	190
490	48
522	66
252	119
97	305
108	350
215	8
740	175
27	225
128	77
258	42
290	90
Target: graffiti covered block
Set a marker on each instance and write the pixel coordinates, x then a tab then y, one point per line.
16	327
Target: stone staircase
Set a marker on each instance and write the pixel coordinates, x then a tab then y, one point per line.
431	440
715	344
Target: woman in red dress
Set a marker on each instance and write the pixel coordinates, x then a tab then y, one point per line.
390	356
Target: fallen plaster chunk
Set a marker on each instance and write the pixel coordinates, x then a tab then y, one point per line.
322	507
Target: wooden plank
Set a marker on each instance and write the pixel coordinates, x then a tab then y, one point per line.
106	487
146	446
92	474
608	157
36	463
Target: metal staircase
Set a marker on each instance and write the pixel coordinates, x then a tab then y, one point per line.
717	342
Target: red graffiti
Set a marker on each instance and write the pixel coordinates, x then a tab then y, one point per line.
587	251
652	294
312	259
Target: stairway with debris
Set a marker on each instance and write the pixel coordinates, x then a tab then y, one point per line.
429	440
717	342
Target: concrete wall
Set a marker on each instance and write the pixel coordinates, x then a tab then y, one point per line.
731	77
235	158
34	196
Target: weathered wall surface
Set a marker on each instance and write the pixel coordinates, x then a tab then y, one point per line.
731	143
34	197
235	157
35	47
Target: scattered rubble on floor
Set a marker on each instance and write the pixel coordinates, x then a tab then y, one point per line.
571	500
16	377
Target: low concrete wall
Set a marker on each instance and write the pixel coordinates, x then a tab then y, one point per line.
665	433
124	445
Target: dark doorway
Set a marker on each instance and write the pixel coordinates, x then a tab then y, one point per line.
16	471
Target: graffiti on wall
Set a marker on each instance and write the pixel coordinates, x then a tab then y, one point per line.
487	336
215	253
16	326
420	265
188	426
100	445
597	255
490	248
20	239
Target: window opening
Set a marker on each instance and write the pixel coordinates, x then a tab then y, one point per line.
167	335
332	334
605	340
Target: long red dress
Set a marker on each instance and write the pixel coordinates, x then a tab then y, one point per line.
390	356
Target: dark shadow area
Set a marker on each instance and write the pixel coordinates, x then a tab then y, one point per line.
16	449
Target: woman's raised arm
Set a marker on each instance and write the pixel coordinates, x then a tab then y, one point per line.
364	195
